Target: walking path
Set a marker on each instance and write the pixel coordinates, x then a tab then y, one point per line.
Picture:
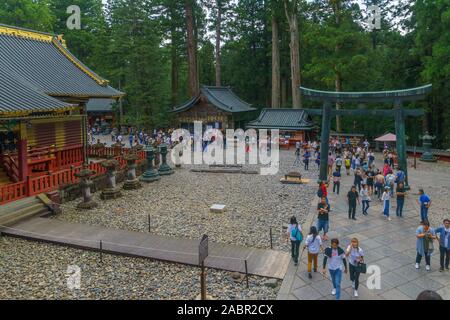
387	244
266	263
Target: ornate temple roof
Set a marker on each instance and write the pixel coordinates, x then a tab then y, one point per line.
100	105
282	119
41	62
221	97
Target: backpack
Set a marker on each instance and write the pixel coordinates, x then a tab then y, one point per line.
320	193
297	234
339	162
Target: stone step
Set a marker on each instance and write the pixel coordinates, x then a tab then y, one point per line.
32	207
17	205
24	214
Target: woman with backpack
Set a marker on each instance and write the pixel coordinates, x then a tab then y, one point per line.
355	257
347	165
314	244
335	257
294	232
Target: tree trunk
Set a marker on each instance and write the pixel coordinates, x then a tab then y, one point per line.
338	80
218	41
194	87
292	17
174	71
275	65
284	93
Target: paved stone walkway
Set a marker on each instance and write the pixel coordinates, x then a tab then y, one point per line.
387	244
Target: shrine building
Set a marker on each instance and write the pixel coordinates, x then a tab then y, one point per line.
44	90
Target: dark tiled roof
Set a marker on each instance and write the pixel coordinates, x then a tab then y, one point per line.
100	105
221	97
18	97
48	65
283	119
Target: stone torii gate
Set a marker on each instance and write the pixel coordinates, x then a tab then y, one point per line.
394	97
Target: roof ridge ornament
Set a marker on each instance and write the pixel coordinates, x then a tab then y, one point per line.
27	34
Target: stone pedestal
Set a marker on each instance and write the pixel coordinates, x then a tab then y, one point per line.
86	184
427	156
132	182
112	191
164	168
150	175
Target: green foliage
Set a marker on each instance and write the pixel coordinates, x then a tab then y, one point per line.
33	14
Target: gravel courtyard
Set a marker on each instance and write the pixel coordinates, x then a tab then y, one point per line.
179	207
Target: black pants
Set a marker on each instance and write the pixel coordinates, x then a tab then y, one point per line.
336	186
351	210
306	164
354	275
358	184
427	258
445	255
295	246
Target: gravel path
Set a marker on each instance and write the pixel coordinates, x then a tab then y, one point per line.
179	206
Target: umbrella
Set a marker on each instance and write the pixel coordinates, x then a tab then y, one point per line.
387	138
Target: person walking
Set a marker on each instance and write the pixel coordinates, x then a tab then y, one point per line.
294	233
401	193
313	243
358	178
386	197
318	160
424	244
370	179
352	198
336	181
390	182
306	157
330	163
379	184
355	256
365	199
425	203
335	257
347	165
338	163
323	223
444	244
371	157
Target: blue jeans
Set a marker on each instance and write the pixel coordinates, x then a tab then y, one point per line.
336	278
423	213
400	203
386	208
322	225
365	206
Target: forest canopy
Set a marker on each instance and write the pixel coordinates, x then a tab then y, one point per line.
160	51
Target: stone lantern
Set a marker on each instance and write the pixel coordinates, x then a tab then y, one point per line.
98	147
111	191
156	154
164	168
86	184
427	156
150	175
117	147
132	182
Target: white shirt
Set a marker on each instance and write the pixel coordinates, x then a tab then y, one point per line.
385	196
354	254
313	245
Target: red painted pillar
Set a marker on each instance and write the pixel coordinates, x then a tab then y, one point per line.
23	153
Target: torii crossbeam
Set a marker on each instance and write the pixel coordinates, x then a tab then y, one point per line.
395	97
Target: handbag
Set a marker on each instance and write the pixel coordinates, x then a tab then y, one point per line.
361	267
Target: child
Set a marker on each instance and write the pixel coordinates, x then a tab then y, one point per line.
314	244
347	165
386	198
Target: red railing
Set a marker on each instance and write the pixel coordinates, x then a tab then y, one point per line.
53	181
11	167
12	192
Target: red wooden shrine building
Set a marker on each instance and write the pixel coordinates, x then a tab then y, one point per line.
44	90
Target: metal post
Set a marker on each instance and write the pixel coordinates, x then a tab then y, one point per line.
324	141
415	160
149	224
271	241
246	272
101	251
400	137
203	283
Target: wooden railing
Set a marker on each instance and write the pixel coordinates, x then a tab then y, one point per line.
49	182
10	164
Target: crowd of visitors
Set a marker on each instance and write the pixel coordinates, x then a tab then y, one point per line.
387	185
